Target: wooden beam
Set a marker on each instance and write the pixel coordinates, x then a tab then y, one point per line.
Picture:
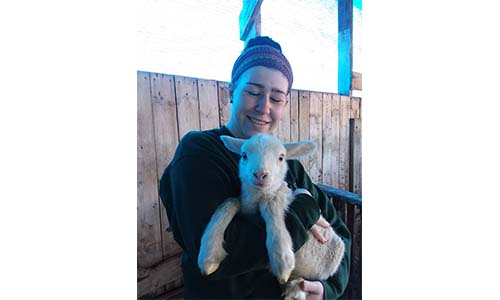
250	20
345	47
167	274
356	81
351	198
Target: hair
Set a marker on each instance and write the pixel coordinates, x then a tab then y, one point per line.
262	51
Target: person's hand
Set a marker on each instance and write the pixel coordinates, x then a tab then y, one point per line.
314	289
316	231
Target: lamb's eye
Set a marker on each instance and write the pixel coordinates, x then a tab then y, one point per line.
282	157
244	155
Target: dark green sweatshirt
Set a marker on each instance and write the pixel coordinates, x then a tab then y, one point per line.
202	174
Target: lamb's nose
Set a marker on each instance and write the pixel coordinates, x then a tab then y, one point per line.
261	175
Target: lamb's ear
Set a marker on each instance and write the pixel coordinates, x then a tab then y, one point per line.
232	144
296	150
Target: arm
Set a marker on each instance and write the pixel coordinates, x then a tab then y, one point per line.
334	286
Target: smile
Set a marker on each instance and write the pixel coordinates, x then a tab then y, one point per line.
257	121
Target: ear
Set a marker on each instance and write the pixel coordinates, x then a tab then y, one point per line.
230	89
232	144
296	150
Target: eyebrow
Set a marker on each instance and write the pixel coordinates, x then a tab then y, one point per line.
272	89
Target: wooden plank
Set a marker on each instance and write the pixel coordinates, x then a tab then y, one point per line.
224	105
165	118
149	251
327	139
356	187
304	134
357	80
209	104
167	274
166	137
283	129
336	140
345	107
294	116
355	164
188	110
355	108
315	134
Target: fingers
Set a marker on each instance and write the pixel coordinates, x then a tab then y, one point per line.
316	231
317	234
322	222
314	287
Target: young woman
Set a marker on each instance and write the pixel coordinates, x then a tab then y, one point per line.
203	173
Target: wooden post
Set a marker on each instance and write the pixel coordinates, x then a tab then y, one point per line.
250	20
345	47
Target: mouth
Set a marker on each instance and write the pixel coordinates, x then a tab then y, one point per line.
258	122
260	184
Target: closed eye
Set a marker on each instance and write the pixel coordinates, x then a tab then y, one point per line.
252	93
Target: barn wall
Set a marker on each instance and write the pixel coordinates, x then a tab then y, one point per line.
169	106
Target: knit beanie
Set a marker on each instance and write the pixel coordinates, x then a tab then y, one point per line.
262	51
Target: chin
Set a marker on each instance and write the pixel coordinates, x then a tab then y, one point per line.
253	131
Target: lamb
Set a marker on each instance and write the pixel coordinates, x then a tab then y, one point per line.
262	170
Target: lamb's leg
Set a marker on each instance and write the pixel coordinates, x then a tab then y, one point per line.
278	241
212	252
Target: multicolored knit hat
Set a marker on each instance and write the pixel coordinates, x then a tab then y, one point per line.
262	51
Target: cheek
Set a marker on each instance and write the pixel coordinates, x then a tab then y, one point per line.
276	113
242	104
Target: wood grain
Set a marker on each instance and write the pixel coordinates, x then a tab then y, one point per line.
315	135
294	116
284	124
304	133
188	111
345	108
165	276
167	138
149	251
224	105
209	107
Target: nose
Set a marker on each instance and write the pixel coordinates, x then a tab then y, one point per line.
264	105
261	175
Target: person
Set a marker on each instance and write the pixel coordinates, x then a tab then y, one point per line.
203	173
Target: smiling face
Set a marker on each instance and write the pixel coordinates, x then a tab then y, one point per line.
259	97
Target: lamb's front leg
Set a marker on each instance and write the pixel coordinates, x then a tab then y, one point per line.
278	241
212	252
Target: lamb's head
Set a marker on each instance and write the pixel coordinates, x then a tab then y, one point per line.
263	159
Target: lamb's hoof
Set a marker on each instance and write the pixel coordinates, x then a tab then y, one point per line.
293	291
210	268
284	279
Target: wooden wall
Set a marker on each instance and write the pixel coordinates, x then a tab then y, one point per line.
169	106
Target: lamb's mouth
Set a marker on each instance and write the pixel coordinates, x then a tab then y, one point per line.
260	185
258	122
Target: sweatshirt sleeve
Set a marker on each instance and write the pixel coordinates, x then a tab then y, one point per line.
334	286
193	188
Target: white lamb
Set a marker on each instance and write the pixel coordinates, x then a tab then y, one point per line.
262	171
